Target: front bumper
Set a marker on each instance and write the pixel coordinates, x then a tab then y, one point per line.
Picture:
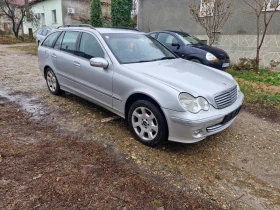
186	127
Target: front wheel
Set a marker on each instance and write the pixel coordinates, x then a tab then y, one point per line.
147	123
52	82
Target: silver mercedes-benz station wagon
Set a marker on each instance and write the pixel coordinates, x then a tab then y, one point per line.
163	97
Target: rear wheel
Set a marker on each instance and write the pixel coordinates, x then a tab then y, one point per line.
52	82
147	123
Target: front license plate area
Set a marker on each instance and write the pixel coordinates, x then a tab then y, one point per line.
231	115
225	65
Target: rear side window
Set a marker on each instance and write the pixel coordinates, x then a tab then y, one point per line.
58	42
90	47
69	41
50	39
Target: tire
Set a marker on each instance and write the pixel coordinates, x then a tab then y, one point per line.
195	60
150	129
52	82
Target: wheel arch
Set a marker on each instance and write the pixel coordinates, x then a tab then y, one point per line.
141	96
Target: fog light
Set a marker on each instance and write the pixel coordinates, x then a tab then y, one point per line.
197	133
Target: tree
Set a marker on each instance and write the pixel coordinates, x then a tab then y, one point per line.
211	15
14	12
96	13
121	12
264	10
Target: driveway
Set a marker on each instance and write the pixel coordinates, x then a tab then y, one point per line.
238	168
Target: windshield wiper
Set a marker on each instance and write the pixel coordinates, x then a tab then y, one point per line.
164	58
158	59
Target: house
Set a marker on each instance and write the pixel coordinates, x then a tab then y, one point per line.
54	13
237	37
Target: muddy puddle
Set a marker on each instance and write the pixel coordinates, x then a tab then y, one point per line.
29	104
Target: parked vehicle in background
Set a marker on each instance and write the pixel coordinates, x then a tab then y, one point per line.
191	48
162	96
41	34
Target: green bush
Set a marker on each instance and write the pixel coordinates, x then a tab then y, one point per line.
96	13
121	13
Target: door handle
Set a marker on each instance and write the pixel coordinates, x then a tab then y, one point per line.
77	64
53	55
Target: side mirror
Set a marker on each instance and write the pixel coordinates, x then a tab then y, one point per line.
176	45
99	62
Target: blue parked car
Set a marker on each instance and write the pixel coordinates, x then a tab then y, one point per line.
191	48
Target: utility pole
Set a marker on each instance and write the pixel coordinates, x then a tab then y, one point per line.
28	18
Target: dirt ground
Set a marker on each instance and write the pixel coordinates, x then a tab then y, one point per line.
56	153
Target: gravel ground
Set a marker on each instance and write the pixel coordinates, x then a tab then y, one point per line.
237	168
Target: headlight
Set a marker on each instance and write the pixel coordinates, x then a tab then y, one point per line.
211	57
192	104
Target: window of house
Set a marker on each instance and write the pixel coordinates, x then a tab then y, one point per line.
90	47
69	42
272	4
54	16
207	8
43	21
50	39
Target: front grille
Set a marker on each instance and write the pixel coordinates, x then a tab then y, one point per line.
227	98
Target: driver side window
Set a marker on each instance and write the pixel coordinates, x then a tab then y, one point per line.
167	39
90	47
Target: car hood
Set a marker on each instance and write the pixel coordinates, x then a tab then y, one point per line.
186	76
219	53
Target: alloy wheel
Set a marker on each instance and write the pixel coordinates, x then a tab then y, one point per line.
144	123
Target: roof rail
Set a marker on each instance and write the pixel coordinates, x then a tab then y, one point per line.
123	27
77	25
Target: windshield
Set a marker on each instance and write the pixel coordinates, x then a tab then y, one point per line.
188	39
136	48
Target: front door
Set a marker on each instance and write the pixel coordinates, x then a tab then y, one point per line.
93	82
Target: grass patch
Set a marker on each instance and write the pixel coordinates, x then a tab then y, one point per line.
31	49
11	39
261	90
262	75
261	99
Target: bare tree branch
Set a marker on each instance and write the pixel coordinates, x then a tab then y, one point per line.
212	15
262	9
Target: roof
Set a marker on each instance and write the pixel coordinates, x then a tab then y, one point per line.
102	30
173	31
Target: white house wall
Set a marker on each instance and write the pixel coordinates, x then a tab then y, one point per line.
46	7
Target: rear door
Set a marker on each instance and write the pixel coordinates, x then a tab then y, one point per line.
93	82
63	56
